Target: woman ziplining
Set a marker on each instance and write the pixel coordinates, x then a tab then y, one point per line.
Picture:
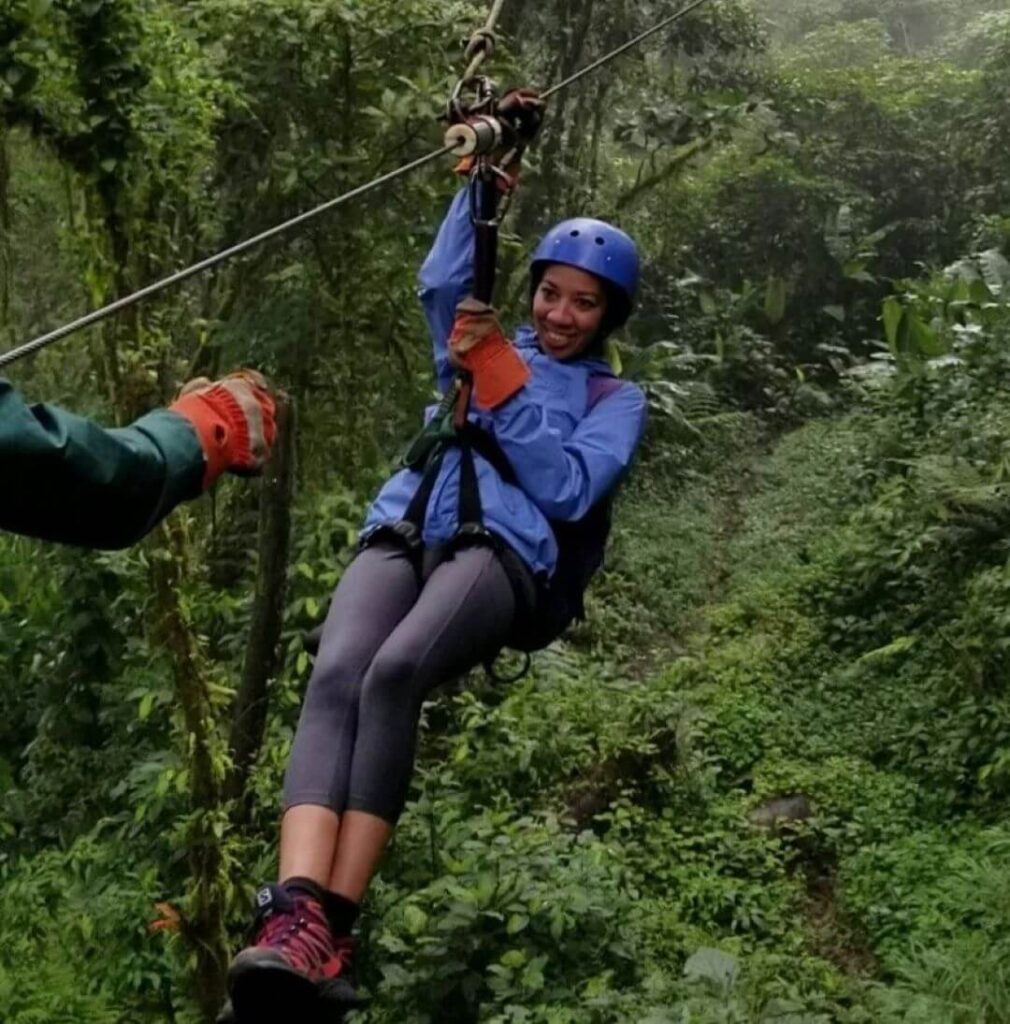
466	549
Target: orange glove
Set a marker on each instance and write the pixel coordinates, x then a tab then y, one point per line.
234	419
478	345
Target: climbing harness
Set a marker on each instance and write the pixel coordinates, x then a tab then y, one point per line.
480	46
545	605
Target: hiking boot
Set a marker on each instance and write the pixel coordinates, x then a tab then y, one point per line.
338	991
294	959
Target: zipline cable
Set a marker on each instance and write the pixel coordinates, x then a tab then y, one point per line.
565	82
480	46
212	261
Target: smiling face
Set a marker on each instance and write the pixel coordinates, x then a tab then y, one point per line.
568	308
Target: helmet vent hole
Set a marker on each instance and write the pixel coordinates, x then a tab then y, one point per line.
599	241
575	233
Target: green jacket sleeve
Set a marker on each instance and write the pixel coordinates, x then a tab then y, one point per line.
67	479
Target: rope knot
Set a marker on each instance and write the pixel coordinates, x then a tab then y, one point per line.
481	42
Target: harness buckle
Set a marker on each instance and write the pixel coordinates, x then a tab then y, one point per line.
403	533
473	535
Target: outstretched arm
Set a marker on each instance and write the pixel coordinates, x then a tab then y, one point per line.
68	479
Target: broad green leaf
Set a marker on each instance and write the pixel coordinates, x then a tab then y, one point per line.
978	292
714	966
415	919
925	341
395	975
612	353
893	314
146	707
899	646
775	299
516	923
533	975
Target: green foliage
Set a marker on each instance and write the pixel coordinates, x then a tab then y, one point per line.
63	917
519	912
819	615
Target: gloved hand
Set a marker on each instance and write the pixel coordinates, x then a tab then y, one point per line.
478	345
523	109
234	419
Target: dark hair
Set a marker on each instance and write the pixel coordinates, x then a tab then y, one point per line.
616	307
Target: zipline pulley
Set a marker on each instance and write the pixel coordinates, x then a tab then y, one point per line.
476	136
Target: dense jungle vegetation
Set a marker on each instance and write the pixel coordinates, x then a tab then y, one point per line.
768	780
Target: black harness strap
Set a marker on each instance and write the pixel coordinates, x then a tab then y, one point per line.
417	510
471	513
429	449
488	448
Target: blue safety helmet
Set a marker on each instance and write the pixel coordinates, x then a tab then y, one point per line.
600	249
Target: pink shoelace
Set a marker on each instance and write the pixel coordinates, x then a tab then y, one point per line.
303	938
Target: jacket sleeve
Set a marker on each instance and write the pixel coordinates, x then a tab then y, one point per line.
446	277
566	478
67	479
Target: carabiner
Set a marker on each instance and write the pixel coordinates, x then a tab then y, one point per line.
482	171
483	99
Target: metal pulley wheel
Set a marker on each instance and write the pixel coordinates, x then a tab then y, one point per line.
477	136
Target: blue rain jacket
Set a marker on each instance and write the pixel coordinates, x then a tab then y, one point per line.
565	458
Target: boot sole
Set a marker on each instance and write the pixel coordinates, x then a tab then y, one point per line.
265	993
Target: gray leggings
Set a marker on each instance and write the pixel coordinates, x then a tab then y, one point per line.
388	640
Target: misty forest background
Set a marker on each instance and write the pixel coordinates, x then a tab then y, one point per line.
768	781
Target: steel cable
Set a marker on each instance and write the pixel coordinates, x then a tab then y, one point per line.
565	82
211	261
483	37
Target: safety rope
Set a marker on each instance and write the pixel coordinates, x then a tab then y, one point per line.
479	47
482	42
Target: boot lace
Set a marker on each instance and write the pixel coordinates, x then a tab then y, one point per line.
303	938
